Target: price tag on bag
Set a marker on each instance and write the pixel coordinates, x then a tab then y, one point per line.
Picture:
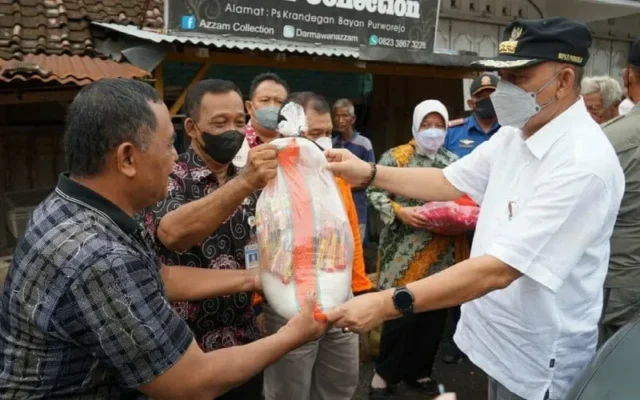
251	256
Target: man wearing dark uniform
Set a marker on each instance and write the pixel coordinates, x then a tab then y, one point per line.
622	286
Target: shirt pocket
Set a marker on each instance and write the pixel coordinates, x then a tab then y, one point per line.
507	210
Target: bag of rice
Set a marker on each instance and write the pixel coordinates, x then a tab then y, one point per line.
304	238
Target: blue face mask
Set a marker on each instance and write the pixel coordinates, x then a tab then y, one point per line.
430	140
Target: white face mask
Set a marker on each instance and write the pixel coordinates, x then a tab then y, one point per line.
514	106
430	140
325	142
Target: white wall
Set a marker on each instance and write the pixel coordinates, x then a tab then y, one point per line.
477	25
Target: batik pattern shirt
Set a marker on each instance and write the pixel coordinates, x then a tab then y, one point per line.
407	254
222	321
252	136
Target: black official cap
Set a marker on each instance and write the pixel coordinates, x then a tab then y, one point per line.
484	81
529	42
634	54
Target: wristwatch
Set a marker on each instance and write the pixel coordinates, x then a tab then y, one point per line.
403	300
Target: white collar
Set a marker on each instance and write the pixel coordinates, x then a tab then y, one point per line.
541	141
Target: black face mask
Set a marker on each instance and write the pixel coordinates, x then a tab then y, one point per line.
222	148
484	109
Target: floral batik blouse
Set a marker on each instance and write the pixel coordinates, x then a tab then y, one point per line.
407	254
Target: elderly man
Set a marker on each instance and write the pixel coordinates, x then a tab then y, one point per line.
622	286
602	95
463	136
207	219
344	119
549	185
84	313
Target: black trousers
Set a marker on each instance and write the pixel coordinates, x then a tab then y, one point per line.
454	315
454	312
251	390
408	346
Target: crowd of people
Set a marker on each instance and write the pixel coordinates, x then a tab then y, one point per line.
133	280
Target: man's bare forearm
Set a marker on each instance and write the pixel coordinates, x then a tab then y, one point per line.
230	367
204	376
427	184
192	284
192	223
456	285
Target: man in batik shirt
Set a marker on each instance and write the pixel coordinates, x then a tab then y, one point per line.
207	220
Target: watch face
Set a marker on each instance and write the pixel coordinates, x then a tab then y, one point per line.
403	300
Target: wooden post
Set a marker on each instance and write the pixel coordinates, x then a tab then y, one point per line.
158	75
4	175
175	108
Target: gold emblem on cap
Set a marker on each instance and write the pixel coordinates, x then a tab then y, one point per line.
510	46
486	81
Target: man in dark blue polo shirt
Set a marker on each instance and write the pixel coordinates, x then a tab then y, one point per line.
466	134
463	136
344	118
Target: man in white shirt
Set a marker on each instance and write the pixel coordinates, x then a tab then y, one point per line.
549	185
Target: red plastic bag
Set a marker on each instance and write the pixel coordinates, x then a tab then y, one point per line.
450	217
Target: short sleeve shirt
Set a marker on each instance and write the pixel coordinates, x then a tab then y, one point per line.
222	321
548	204
464	138
84	313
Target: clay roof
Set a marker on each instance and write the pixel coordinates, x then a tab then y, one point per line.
61	27
65	69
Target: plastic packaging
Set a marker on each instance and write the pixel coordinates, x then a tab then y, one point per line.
304	236
450	217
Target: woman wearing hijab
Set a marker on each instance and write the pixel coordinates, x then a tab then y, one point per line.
408	252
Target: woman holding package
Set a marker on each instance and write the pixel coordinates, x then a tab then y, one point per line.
409	252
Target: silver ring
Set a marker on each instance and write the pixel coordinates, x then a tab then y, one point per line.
346	330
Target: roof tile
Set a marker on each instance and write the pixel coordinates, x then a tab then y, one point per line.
62	26
65	69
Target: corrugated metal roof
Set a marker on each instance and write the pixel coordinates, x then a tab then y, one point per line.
79	70
232	42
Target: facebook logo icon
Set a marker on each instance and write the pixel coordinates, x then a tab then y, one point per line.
188	22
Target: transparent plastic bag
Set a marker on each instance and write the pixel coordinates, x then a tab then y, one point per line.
304	236
450	217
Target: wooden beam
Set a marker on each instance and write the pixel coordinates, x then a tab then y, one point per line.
143	14
313	63
175	108
37	97
158	75
44	129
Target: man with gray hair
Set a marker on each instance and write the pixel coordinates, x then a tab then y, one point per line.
344	118
602	95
